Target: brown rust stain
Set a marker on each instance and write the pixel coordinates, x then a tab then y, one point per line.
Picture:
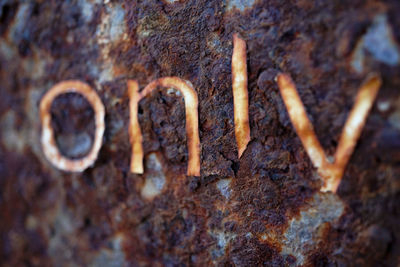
190	222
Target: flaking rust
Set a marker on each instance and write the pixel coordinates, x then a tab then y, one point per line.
264	208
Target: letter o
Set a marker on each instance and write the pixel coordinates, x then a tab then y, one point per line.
49	146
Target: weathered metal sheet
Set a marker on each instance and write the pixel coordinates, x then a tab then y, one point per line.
265	208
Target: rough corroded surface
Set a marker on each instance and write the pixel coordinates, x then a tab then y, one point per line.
263	209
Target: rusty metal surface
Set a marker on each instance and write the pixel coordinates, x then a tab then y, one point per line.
264	209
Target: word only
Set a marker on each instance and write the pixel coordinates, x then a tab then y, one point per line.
330	170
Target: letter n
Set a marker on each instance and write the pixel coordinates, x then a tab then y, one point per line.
192	124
